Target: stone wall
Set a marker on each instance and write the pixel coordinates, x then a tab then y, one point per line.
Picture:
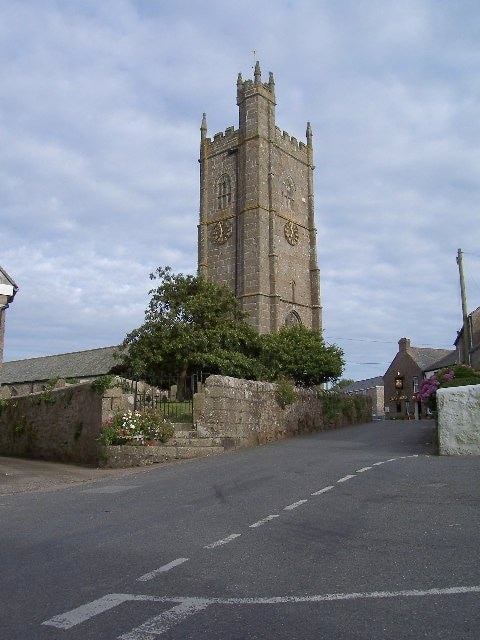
245	413
459	420
60	424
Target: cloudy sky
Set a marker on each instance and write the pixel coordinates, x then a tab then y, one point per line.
100	109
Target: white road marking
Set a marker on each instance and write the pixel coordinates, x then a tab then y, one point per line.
87	611
294	505
188	606
377	464
263	521
166	620
166	567
219	543
324	490
363	469
391	460
345	478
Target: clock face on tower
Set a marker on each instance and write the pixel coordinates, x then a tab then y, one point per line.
290	231
222	231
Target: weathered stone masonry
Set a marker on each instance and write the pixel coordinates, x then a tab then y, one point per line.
245	413
257	229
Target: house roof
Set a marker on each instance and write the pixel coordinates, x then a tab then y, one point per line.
426	357
79	364
7	283
362	385
446	361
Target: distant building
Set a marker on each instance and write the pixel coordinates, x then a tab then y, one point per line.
402	378
373	388
474	333
22	377
8	289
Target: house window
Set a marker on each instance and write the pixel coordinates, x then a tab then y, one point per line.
415	384
399	407
224	191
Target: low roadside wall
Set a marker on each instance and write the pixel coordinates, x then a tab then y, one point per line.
60	424
245	413
458	410
64	424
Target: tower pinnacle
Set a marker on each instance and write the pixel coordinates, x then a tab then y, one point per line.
203	127
258	73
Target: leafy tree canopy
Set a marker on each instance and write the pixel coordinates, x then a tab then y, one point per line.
192	324
341	384
302	355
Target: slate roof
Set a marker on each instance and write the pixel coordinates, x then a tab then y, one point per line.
426	357
362	385
446	361
79	364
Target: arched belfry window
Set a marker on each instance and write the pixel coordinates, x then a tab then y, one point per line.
224	191
288	192
292	319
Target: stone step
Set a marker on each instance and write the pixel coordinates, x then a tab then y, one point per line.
184	434
134	456
193	442
182	426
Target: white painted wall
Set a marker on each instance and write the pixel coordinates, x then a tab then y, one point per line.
459	420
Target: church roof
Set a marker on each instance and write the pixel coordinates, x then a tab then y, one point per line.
79	364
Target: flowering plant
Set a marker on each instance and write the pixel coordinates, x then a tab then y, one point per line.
457	375
135	427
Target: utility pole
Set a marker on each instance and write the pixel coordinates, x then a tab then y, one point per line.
466	326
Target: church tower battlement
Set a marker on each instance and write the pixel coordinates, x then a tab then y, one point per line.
257	230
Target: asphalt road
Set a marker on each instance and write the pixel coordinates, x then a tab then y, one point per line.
358	533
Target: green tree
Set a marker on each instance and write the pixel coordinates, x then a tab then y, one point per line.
341	384
302	355
192	324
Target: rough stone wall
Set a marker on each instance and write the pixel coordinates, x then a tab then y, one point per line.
459	420
245	413
62	424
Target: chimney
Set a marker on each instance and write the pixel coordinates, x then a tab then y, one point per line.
403	345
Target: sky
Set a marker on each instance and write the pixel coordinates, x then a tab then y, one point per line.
100	112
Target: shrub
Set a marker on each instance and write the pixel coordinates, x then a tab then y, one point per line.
285	393
136	427
457	375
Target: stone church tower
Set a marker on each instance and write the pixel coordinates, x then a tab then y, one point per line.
257	231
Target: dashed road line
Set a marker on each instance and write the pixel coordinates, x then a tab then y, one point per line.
320	491
345	478
294	505
263	521
219	543
164	569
